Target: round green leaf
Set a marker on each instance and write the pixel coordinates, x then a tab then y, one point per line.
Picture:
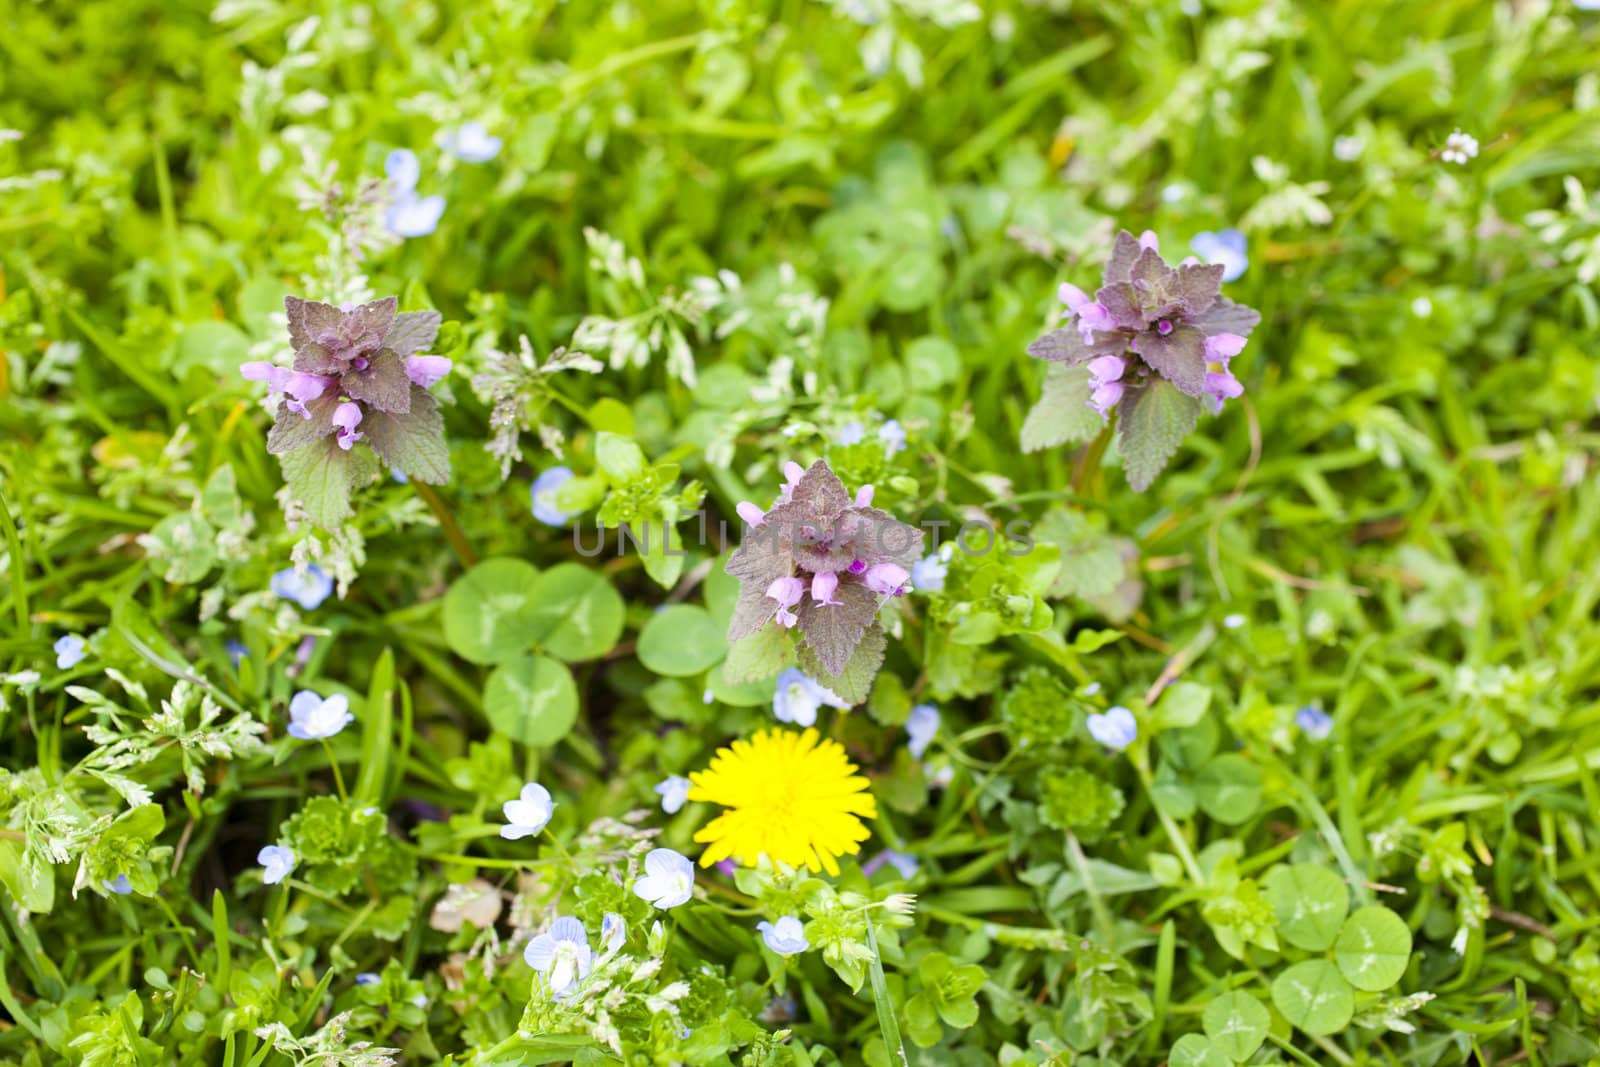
1374	948
532	699
182	548
1192	1050
683	639
1310	903
1228	789
1237	1024
576	614
1315	997
488	611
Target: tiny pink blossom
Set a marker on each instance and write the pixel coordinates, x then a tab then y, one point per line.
427	371
1073	297
1223	386
260	370
793	472
823	586
1092	317
750	513
787	591
1107	368
1104	397
347	417
1148	239
885	578
786	618
1224	346
864	497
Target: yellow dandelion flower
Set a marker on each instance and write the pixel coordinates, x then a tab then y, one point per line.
790	796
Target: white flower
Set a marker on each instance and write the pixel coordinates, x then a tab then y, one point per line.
668	879
563	955
921	725
673	791
612	931
312	718
472	143
278	861
785	937
1117	728
69	651
529	813
1459	147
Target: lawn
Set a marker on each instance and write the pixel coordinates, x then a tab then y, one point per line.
898	533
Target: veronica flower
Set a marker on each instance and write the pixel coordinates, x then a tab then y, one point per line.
1314	722
414	216
308	590
786	937
544	496
69	651
613	931
668	879
120	885
904	863
1234	621
1229	247
921	725
562	955
237	652
673	791
312	718
850	433
797	698
1116	729
277	861
529	813
402	169
929	572
893	435
366	978
470	143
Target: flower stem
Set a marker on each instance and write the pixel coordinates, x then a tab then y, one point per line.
447	521
333	764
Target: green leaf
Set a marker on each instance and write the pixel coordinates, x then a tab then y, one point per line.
576	614
182	548
1310	903
681	640
1062	415
490	610
757	656
1315	997
411	442
854	682
1151	423
1373	948
1193	1050
532	699
1183	704
1228	788
621	459
321	477
1237	1023
932	362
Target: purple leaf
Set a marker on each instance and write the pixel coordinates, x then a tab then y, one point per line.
292	430
411	441
412	332
1068	346
1179	357
833	631
383	385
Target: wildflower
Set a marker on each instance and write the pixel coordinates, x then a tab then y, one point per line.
544	491
277	861
308	590
797	698
928	573
1459	147
470	143
346	417
921	725
237	652
428	371
850	434
792	797
69	651
409	215
786	937
1116	729
673	791
900	903
787	592
1153	319
612	931
904	863
403	169
562	955
893	435
751	514
366	978
1230	248
120	885
668	879
529	813
1348	149
817	529
312	718
1314	722
1234	621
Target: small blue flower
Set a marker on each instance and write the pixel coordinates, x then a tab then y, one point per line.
921	725
312	718
414	216
850	433
797	698
893	435
402	169
277	861
1227	247
544	496
1116	729
529	813
120	885
563	955
786	937
668	879
308	590
928	574
1233	622
69	651
903	862
1314	722
674	791
613	931
471	143
367	978
237	652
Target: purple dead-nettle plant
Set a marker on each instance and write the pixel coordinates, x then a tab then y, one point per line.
1156	342
819	565
359	377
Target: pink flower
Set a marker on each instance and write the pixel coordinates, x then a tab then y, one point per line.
1107	369
1148	239
347	417
1105	397
426	371
1223	346
864	497
261	371
885	578
787	591
751	514
823	586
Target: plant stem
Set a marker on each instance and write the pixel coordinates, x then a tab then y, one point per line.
447	522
